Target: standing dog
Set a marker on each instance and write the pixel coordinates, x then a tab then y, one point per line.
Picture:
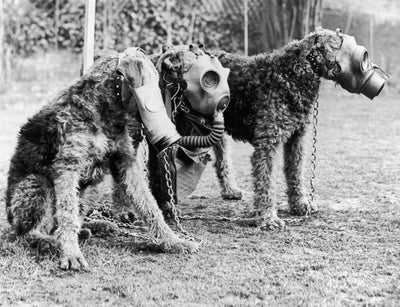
272	97
70	144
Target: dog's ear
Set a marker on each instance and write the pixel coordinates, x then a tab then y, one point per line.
131	65
166	47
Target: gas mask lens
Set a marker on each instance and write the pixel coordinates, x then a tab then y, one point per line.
209	80
364	65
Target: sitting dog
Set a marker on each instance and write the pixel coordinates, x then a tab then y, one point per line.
70	144
273	96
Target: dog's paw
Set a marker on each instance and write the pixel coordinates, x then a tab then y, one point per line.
99	228
84	234
71	258
179	246
303	207
270	223
232	194
44	245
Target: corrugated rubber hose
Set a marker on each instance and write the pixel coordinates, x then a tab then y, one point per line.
215	135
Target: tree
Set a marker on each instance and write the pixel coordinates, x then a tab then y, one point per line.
276	22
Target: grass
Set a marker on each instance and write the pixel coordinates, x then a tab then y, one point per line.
347	254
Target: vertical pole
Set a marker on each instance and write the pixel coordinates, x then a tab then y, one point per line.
371	36
105	18
56	23
88	47
191	26
246	27
2	47
306	28
169	26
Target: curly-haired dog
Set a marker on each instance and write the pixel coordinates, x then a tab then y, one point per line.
69	145
272	97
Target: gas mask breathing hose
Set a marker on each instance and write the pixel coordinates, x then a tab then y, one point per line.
209	140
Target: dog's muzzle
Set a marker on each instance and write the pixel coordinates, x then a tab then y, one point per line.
354	71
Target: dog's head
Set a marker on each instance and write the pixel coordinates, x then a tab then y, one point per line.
137	81
198	75
337	56
118	74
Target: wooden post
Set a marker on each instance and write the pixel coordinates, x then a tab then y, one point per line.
246	27
169	25
88	47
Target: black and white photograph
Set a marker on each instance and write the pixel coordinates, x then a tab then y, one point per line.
199	153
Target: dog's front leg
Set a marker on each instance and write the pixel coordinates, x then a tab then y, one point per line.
128	172
294	171
224	169
67	214
263	162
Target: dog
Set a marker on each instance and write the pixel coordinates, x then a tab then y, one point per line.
92	127
273	96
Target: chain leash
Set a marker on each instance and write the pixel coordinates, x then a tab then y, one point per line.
314	150
144	145
97	216
171	195
247	221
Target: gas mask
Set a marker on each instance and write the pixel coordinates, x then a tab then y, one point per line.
139	76
196	92
199	75
207	84
354	71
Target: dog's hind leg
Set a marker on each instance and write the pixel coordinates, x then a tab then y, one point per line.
224	169
30	211
129	173
263	162
294	171
30	204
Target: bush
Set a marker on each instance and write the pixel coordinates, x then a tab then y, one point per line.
140	23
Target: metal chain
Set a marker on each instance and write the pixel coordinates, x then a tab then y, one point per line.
145	157
171	195
219	218
314	150
96	216
238	220
138	225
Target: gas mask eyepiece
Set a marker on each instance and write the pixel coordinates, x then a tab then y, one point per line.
209	80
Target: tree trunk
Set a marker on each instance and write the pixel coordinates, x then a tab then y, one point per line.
280	21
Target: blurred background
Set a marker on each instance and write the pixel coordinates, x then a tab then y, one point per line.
42	41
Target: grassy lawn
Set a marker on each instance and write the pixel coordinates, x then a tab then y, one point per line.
348	254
